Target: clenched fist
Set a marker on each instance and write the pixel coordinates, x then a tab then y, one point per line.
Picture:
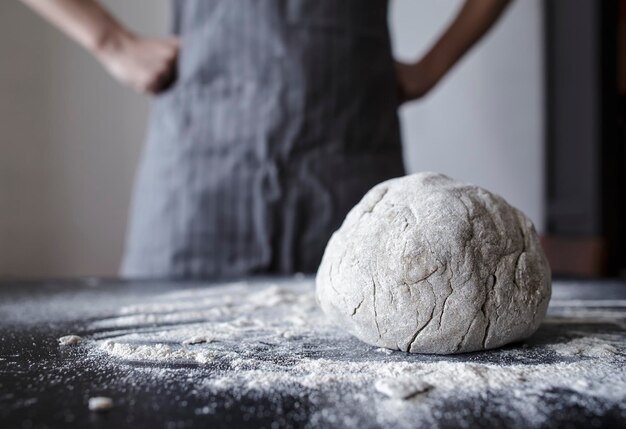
148	65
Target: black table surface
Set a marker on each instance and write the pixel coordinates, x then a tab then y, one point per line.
44	385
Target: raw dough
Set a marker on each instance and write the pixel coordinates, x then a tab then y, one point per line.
70	340
426	264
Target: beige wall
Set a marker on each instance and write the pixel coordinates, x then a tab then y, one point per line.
22	149
70	136
484	122
70	140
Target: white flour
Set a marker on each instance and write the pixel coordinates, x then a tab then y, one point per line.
100	403
270	340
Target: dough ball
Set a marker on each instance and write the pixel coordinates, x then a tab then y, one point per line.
426	264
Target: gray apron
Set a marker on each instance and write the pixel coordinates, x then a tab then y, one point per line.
283	115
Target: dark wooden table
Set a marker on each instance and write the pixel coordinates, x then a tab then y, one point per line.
44	385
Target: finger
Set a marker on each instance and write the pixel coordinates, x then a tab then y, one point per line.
165	81
153	85
153	88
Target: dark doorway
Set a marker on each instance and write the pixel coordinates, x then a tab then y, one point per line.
586	138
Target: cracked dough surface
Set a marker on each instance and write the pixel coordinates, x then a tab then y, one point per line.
427	264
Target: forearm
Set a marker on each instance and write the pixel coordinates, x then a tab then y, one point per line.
85	21
146	64
473	20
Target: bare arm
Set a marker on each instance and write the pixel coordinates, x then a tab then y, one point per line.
473	20
85	21
146	64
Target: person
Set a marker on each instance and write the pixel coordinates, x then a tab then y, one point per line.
271	119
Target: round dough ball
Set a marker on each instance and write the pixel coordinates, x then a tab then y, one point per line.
426	264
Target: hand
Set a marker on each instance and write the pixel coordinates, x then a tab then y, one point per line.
414	80
148	65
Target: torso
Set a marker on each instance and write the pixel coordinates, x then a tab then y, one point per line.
283	116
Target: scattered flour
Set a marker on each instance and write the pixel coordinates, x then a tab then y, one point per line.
155	352
589	347
401	388
246	340
100	403
198	339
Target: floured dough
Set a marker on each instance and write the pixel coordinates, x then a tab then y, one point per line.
70	340
426	264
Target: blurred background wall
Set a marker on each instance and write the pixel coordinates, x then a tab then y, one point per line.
484	123
70	136
70	140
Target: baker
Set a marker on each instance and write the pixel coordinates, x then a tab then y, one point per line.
272	118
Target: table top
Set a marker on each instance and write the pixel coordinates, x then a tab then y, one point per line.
258	353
